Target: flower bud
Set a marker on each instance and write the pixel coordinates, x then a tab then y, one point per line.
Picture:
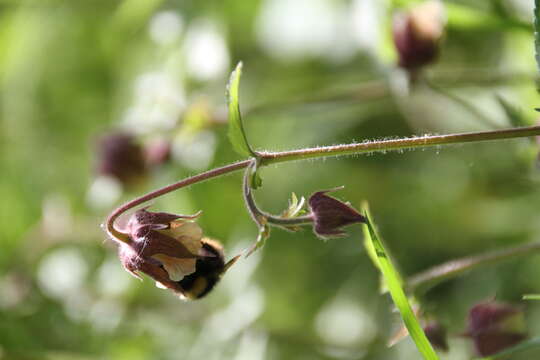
121	157
417	34
436	334
330	215
170	249
494	327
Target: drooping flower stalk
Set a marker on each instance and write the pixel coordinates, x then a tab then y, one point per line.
267	158
118	236
190	265
261	217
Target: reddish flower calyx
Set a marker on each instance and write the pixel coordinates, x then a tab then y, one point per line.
331	215
164	234
171	249
121	157
417	34
495	326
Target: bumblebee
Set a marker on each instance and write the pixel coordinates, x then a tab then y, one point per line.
208	271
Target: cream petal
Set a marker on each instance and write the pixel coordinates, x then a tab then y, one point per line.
186	229
193	245
189	234
175	267
160	285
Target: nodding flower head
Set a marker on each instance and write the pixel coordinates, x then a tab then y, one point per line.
171	249
495	326
330	215
121	157
417	34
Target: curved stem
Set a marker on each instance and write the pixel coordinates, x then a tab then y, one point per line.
267	158
295	221
453	268
252	207
261	217
114	234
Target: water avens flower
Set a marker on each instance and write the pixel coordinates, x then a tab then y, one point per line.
495	326
121	157
330	215
417	34
171	249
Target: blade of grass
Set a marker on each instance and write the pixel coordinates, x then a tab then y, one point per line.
370	249
393	282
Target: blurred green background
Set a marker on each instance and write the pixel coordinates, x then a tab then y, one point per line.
316	72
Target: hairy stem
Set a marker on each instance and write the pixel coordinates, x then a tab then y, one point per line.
267	158
453	268
261	217
117	235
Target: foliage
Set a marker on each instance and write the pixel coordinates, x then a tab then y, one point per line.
395	287
73	71
237	134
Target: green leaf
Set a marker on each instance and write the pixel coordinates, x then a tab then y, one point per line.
256	180
393	281
295	207
237	135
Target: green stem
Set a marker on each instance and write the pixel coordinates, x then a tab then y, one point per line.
267	158
453	268
261	217
116	235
